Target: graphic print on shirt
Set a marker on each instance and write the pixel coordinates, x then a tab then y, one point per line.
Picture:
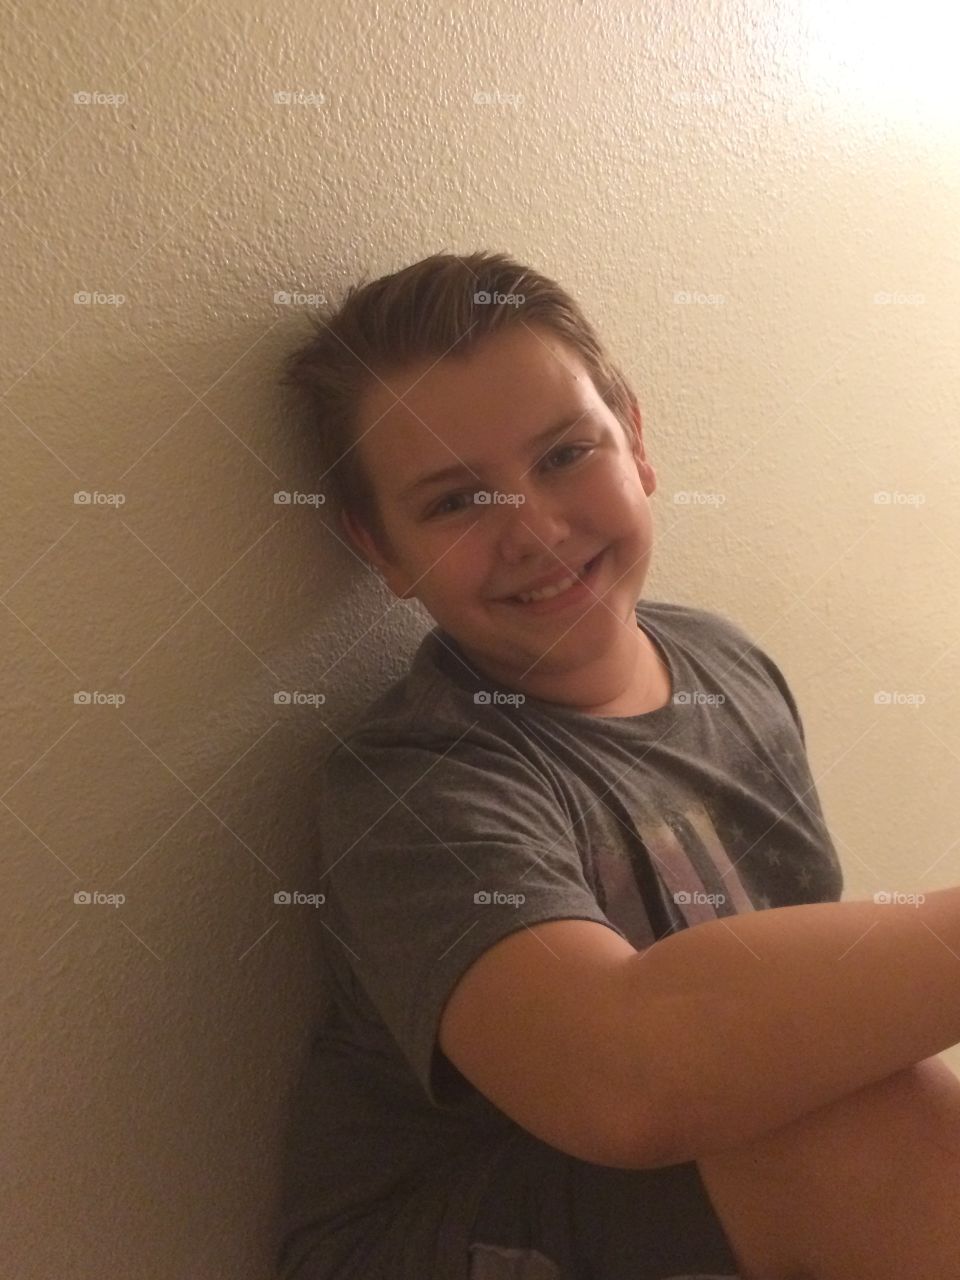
675	873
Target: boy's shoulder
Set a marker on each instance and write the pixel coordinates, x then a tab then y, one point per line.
724	646
431	704
429	730
708	630
698	627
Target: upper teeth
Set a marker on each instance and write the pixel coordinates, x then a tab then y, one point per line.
545	593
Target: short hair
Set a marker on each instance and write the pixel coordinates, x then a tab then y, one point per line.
440	307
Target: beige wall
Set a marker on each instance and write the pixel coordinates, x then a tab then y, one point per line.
791	168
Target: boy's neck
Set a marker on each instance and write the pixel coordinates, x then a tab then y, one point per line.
629	682
647	690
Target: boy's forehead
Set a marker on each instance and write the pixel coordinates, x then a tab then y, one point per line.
511	386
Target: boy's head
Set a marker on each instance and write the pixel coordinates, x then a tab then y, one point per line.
465	362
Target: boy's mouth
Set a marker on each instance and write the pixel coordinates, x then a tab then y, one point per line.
570	590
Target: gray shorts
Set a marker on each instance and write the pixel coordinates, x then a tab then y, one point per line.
549	1216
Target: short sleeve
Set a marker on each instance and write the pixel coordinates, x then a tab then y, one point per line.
749	648
430	853
779	679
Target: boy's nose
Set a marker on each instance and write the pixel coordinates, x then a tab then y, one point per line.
530	527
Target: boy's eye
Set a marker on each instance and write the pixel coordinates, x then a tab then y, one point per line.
441	508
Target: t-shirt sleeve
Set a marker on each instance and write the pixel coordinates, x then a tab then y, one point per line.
780	680
431	852
750	649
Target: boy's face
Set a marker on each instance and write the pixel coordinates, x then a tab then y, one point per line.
555	505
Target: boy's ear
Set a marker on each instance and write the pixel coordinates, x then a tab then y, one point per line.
362	539
645	469
372	552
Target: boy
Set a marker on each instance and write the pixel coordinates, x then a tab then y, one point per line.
582	922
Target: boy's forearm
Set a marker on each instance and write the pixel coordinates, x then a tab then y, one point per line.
746	1023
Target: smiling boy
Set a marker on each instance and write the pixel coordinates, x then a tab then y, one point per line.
581	912
577	504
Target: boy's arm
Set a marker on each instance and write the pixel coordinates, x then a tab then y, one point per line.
742	1024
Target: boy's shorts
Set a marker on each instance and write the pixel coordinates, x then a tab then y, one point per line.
549	1216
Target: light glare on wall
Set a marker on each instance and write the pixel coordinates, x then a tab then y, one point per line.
898	58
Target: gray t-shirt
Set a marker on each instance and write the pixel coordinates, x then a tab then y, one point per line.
453	816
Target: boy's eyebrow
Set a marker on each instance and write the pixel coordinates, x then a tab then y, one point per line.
463	468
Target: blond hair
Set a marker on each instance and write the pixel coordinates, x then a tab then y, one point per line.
427	311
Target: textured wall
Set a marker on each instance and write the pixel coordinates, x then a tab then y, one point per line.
791	166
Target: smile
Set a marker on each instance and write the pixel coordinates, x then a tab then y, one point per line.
572	589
